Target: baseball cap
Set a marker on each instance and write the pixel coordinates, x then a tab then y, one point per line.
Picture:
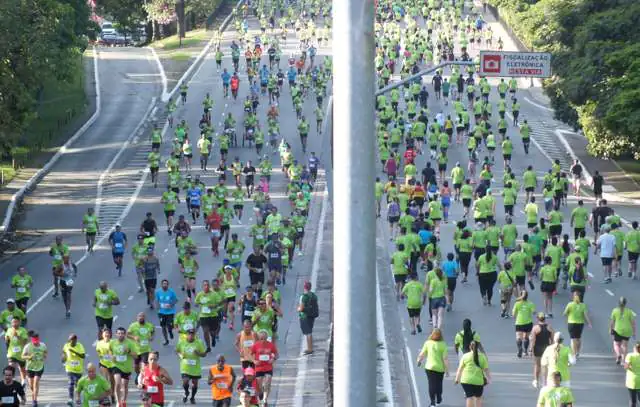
541	316
11	300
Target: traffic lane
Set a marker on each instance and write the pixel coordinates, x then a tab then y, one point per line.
591	373
128	83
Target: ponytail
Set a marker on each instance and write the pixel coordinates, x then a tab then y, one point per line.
467	335
473	346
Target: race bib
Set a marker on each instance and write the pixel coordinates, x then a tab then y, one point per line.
107	358
121	358
248	343
264	358
144	331
187	327
152	389
57	257
72	363
248	313
94	403
300	230
230	291
260	237
165	305
190	362
15	349
222	385
144	342
118	246
22	290
69	282
102	305
206	310
7	400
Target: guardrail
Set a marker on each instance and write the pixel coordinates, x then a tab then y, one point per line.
18	197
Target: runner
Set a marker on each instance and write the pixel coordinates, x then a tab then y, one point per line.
92	388
265	354
73	356
622	326
153	379
221	379
577	315
124	353
434	351
103	301
35	354
190	350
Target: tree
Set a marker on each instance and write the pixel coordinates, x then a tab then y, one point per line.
126	14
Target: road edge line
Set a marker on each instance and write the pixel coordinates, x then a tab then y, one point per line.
301	377
37	177
163	76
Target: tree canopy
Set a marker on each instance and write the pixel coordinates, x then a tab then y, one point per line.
37	40
596	64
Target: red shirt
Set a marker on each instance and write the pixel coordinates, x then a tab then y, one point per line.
409	156
214	221
234	83
263	354
155	388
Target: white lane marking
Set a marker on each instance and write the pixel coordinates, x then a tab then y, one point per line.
590	274
115	318
386	367
548	109
115	159
171	403
416	393
302	361
163	77
608	292
130	297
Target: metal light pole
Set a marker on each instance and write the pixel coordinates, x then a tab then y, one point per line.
353	204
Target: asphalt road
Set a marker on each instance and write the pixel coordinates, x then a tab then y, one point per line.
47	316
596	380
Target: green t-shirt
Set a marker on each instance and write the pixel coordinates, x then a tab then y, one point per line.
90	223
122	354
633	371
74	362
209	303
531	210
555	396
548	274
518	262
144	332
23	285
436	352
575	312
509	235
506	279
92	390
189	358
487	265
186	322
399	262
557	364
632	240
622	321
37	356
104	303
479	238
414	291
473	373
524	311
437	286
16	340
493	236
580	216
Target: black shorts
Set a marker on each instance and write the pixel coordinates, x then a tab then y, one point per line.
619	338
393	219
90	234
520	280
472	390
189	377
102	322
529	189
633	257
169	213
224	228
306	325
275	266
606	261
21	363
478	251
122	374
506	156
155	146
210	323
22	302
166	319
35	373
547	287
525	328
451	283
143	357
555	230
466	202
256	277
150	284
238	206
414	312
575	330
263	374
442	167
109	369
400	278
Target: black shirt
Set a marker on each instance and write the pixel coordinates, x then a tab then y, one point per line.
13	391
249	172
602	212
273	252
149	225
576	169
428	175
256	261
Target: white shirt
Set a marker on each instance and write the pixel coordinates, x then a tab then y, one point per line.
607	243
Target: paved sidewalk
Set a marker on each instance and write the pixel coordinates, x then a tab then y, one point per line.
557	140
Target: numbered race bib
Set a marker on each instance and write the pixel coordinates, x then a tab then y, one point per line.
260	237
206	310
190	362
230	291
222	385
144	342
22	290
165	305
74	363
57	257
248	343
15	349
7	400
121	358
248	313
102	305
107	358
118	246
187	326
264	358
300	230
69	282
152	389
94	403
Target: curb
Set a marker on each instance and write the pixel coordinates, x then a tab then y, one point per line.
18	197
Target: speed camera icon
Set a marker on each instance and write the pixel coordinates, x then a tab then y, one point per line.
491	63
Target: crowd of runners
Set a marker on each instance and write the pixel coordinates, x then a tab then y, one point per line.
455	111
191	316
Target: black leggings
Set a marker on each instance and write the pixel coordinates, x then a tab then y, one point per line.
487	281
634	396
435	386
465	259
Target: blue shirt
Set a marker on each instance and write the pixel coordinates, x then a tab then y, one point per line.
118	239
194	196
450	268
425	236
226	77
291	74
167	301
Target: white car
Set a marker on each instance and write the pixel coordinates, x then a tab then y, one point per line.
108	29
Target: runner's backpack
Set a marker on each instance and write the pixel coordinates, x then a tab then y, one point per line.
311	307
578	276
